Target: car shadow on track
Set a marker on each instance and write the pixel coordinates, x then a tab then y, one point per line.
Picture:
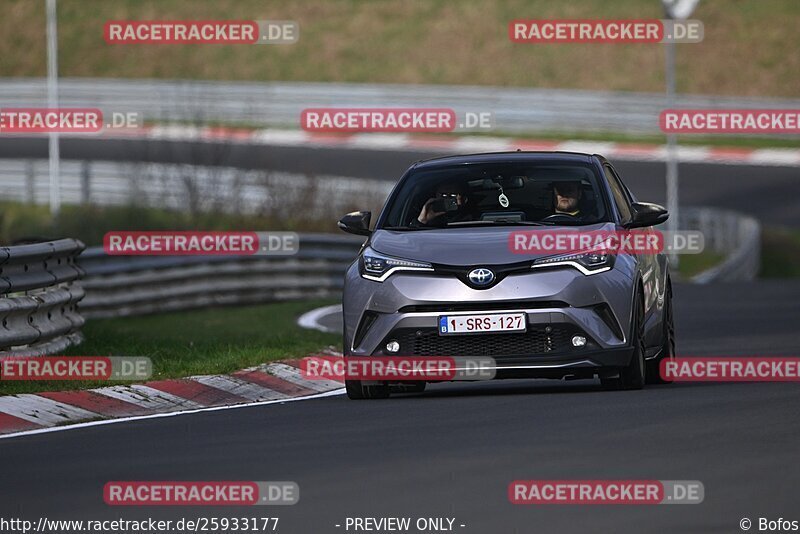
540	387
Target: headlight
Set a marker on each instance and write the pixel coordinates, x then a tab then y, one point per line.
376	266
591	262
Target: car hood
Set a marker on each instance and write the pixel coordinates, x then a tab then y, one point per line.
464	246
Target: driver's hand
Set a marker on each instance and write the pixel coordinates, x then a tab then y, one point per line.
427	214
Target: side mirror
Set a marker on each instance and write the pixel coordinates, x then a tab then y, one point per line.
646	214
356	222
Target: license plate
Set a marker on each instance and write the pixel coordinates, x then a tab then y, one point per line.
477	324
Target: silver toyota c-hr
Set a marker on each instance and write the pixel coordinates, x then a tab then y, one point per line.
440	254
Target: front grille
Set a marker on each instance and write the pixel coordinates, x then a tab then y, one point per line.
551	339
484	306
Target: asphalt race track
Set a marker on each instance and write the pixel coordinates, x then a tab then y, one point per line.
453	451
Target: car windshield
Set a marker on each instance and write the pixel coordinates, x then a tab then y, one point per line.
497	194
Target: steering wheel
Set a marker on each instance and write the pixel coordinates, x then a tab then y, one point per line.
560	217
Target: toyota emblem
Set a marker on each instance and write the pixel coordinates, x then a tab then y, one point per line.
481	277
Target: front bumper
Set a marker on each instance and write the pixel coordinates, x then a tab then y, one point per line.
557	303
584	365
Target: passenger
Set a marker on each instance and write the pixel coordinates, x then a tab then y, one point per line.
429	217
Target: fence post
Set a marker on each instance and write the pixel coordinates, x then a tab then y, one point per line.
86	193
30	182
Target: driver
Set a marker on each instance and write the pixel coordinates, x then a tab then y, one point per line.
566	198
429	217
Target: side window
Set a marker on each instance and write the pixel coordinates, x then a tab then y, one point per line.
619	195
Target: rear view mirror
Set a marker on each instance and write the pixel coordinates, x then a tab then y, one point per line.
646	214
498	182
516	182
356	222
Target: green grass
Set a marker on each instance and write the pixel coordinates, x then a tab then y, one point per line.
208	341
780	253
749	46
692	264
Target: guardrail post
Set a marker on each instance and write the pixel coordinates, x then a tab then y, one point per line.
86	193
30	182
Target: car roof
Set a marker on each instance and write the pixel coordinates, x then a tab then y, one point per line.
506	157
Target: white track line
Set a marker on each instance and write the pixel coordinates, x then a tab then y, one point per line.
311	319
693	154
775	156
174	131
378	141
280	137
168	414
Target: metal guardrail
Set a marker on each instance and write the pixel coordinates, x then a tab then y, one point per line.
279	104
38	300
132	285
191	187
734	235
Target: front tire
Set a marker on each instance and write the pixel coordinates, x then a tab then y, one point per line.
357	391
668	347
633	375
415	387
